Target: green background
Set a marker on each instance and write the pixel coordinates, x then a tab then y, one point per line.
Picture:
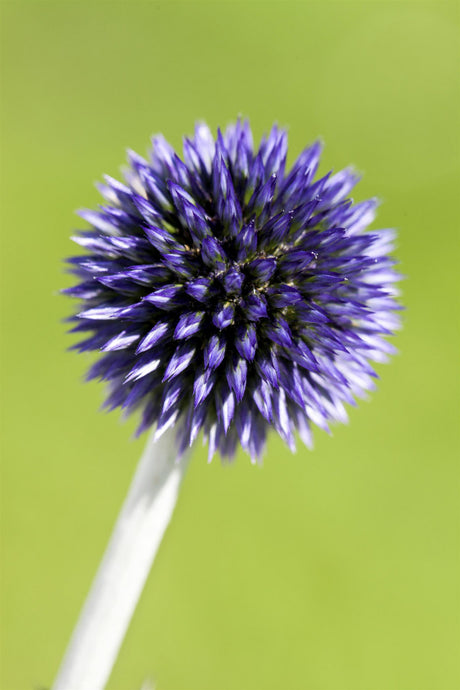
335	569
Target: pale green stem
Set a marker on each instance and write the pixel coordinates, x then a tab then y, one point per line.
118	584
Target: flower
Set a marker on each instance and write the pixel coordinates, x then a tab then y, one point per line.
231	296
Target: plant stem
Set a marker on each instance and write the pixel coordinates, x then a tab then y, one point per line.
137	535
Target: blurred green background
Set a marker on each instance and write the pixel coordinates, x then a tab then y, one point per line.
335	569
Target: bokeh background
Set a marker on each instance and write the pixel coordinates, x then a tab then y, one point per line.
335	569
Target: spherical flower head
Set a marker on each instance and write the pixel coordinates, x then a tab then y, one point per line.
230	296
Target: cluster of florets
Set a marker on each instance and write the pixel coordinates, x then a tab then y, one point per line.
230	296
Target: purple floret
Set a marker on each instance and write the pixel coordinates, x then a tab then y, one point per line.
229	296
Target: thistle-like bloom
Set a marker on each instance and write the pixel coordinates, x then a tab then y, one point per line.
230	296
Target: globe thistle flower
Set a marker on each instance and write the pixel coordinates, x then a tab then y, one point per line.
229	295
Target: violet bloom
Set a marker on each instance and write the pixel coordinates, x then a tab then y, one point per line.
230	296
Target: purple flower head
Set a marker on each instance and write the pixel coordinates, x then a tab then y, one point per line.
229	295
